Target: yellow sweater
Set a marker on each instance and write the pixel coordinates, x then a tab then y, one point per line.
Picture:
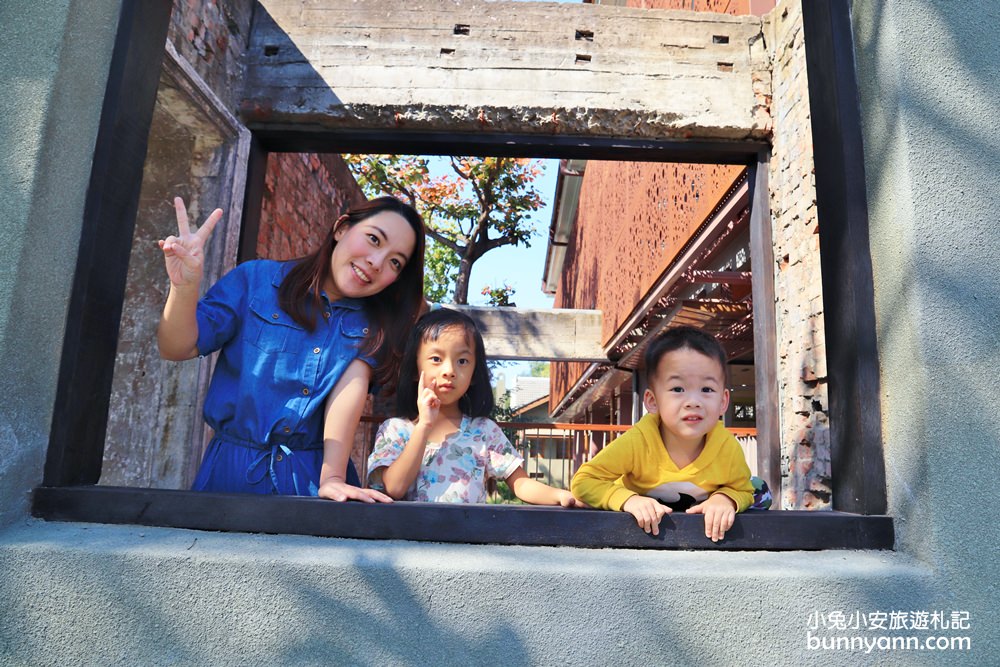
638	463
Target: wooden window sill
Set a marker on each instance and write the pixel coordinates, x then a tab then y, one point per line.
470	524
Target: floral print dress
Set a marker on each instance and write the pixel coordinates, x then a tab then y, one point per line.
453	471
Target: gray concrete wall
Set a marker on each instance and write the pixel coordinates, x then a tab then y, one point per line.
55	56
79	594
929	95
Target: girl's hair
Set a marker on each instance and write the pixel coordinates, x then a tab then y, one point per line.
478	400
392	311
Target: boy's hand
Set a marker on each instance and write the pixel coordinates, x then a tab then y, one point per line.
647	512
720	512
428	403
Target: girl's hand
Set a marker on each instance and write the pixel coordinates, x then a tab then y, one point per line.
567	499
428	403
342	491
184	253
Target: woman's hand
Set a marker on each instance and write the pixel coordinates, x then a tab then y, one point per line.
184	254
339	491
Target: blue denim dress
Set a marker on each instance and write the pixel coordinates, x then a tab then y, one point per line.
271	380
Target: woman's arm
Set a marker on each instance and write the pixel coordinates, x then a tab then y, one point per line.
177	335
401	473
343	412
534	492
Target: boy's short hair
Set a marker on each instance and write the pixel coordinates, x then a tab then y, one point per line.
680	338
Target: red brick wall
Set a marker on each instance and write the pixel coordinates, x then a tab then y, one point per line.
303	195
212	35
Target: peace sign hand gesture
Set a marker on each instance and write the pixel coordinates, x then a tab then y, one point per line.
184	254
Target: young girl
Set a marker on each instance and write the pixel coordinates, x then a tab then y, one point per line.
300	343
445	447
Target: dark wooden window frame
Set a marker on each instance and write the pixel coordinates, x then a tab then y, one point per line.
73	464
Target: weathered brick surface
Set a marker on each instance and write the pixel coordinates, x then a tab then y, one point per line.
805	439
304	193
213	35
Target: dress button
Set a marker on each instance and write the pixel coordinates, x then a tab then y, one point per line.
305	391
315	350
274	316
278	457
287	430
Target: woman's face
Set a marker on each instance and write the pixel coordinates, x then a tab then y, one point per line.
369	255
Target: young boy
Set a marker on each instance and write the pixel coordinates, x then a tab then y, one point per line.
680	453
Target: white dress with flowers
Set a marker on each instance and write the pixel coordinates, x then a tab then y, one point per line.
453	471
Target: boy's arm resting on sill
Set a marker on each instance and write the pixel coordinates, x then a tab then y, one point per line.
737	487
594	482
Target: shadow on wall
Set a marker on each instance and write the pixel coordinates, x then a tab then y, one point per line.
186	597
939	294
278	70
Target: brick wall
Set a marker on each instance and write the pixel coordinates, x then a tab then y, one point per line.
802	381
303	195
213	35
632	220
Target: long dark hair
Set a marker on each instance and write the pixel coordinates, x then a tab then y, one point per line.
478	400
392	311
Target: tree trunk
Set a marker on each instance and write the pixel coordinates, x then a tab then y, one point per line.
462	282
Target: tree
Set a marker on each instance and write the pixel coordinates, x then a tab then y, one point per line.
539	369
499	296
485	203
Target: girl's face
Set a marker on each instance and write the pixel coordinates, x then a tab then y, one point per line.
369	255
447	364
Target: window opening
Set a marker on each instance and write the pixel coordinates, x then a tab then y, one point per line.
828	25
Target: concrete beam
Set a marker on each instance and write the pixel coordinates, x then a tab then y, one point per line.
526	334
474	66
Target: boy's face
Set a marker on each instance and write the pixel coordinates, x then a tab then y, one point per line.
689	393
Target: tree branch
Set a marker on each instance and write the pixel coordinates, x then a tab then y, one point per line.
445	241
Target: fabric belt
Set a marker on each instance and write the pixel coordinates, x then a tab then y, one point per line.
268	454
